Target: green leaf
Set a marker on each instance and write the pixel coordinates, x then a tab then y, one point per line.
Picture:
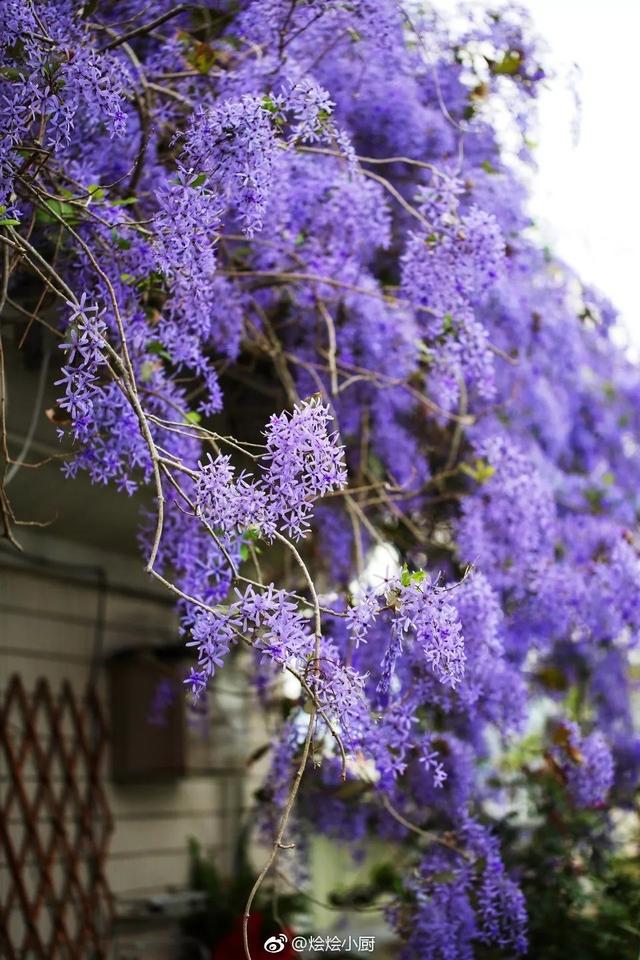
523	752
510	64
199	180
574	702
488	167
269	105
552	678
9	222
594	498
193	417
156	347
481	471
12	73
121	242
202	57
443	876
376	466
408	577
484	471
56	210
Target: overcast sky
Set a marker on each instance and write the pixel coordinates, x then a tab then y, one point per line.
587	192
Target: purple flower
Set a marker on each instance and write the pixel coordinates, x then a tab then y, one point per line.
424	614
234	145
303	461
586	762
226	502
361	615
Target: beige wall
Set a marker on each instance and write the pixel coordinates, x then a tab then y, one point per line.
48	628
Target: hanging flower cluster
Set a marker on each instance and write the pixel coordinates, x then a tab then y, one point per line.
302	215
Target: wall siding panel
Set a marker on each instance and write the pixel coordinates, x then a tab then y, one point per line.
49	627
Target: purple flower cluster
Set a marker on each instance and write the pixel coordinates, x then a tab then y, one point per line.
84	349
271	622
446	269
187	260
424	613
457	261
361	616
507	525
58	84
445	925
302	462
227	502
233	145
586	763
312	199
420	620
501	907
310	107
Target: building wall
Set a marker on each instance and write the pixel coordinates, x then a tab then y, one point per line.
49	616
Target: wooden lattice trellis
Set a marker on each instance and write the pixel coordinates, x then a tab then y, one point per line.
54	825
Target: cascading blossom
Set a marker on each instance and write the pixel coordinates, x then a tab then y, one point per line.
302	304
302	462
586	764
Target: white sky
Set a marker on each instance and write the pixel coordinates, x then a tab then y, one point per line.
586	193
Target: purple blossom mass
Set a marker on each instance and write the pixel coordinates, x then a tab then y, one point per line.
385	443
586	763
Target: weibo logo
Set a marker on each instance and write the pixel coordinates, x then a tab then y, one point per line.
275	944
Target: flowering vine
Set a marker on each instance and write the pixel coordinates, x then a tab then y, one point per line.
390	443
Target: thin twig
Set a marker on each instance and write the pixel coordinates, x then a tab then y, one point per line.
278	843
147	27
